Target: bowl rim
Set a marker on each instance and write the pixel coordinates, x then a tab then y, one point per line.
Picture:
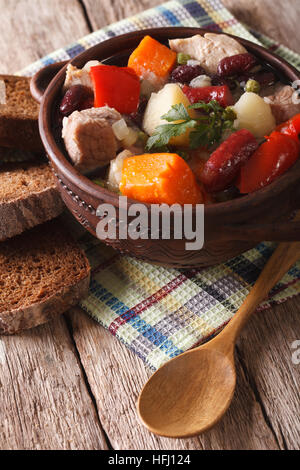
86	185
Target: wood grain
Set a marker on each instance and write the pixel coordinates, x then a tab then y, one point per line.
102	13
30	30
266	354
44	400
206	374
278	19
116	377
43	395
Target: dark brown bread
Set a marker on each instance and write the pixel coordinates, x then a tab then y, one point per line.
28	197
19	116
42	273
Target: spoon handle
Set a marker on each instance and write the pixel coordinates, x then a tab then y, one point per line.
283	258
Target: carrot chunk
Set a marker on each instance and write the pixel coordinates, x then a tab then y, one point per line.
151	56
159	178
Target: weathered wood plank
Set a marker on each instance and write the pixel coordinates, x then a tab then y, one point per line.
33	29
278	26
116	377
45	403
43	396
278	19
30	30
265	350
102	13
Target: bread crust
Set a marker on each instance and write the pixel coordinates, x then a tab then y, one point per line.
14	321
19	120
27	212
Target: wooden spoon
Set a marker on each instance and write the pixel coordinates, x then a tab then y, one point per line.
189	394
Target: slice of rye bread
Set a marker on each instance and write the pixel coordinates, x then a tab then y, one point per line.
19	116
43	272
28	197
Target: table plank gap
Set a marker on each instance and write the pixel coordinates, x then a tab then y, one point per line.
86	15
85	378
44	400
116	377
252	384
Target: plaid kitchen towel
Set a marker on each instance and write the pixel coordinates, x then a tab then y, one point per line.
156	312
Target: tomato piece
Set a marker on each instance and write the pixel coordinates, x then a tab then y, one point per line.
222	94
290	127
223	165
271	160
117	87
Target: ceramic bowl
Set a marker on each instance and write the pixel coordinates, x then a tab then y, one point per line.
231	227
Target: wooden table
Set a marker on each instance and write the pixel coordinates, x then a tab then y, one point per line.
70	384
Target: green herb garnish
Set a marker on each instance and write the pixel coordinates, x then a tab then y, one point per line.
207	127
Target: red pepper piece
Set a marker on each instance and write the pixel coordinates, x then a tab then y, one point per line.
222	94
271	160
224	164
117	87
291	127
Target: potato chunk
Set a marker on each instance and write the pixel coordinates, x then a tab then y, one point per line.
255	115
159	104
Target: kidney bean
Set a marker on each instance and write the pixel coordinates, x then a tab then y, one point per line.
137	117
236	64
87	103
264	78
216	80
76	98
224	164
185	73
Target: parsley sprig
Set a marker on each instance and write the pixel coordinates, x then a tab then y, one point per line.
207	127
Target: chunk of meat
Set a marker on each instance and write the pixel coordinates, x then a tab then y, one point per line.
89	138
284	104
75	76
208	49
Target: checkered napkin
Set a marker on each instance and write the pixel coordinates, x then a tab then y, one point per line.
156	312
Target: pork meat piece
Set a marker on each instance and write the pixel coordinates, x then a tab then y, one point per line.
75	76
284	104
89	137
208	49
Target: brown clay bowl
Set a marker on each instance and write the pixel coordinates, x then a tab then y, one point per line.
230	227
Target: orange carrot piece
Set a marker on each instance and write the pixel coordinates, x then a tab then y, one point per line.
152	56
159	178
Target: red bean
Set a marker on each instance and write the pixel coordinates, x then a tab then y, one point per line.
137	117
264	78
186	73
77	97
236	64
223	165
87	103
216	80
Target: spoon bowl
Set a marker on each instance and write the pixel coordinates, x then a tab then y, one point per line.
193	380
